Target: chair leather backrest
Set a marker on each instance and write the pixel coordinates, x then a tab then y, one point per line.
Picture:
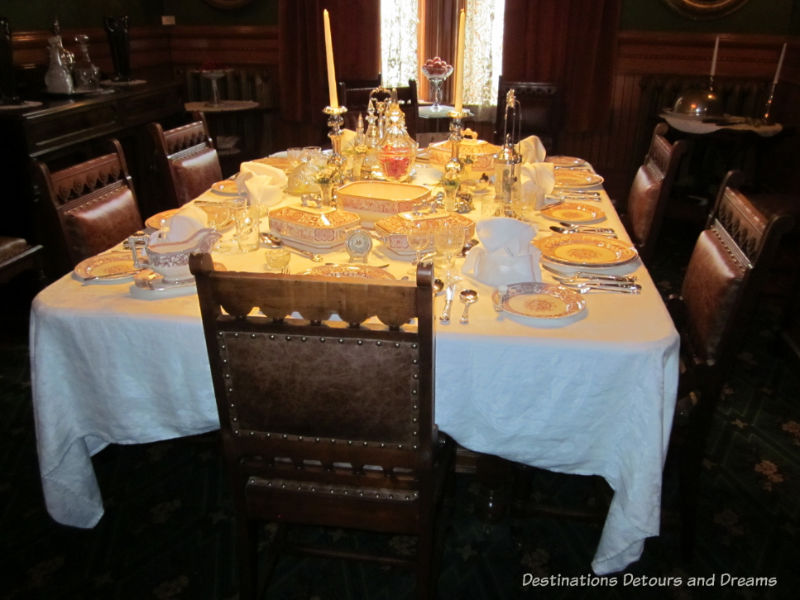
650	190
94	202
193	174
285	386
726	270
188	159
101	220
712	291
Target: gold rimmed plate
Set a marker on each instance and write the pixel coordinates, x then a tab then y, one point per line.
567	162
226	187
109	266
577	213
586	250
572	178
539	304
156	221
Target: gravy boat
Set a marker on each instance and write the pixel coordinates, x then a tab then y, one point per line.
171	259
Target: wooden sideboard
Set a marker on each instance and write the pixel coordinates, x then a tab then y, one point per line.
63	131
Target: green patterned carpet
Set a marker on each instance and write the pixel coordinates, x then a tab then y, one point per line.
167	532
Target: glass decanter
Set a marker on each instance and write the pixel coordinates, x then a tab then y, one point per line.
85	73
398	150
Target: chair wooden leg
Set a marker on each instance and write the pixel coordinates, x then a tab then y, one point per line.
690	466
247	558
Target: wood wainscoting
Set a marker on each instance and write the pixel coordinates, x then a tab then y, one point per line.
617	147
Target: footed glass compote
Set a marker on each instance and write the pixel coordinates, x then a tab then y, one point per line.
436	71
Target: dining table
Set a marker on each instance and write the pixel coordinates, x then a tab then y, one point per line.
593	394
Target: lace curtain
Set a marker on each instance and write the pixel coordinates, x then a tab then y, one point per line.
483	50
399	21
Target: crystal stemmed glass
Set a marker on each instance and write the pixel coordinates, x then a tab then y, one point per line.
419	238
448	241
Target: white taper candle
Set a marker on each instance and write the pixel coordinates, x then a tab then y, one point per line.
332	95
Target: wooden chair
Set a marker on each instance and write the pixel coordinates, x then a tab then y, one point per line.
539	113
370	82
186	158
356	99
326	425
93	202
723	279
651	189
244	128
18	256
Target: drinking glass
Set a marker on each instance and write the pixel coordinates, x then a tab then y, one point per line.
419	238
277	259
294	155
448	241
245	216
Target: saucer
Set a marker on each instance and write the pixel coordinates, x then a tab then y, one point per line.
149	285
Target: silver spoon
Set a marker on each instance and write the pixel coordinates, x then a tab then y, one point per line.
468	297
438	286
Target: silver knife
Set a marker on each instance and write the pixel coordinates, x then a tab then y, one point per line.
448	304
588	275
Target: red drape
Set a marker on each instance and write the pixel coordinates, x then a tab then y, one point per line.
568	42
355	32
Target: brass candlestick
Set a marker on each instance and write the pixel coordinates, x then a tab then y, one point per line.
455	164
335	122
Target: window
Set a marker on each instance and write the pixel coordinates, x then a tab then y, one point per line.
400	34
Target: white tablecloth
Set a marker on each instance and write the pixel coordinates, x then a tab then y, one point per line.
594	397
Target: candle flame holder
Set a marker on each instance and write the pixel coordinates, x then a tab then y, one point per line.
768	105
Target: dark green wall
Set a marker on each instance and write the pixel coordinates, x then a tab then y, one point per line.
73	14
756	16
25	15
197	12
781	17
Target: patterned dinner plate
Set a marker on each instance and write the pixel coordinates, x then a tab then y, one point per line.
574	212
226	187
571	178
219	216
539	303
585	249
567	162
163	217
109	266
350	271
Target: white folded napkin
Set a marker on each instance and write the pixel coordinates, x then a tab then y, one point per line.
532	150
505	254
262	183
185	223
537	181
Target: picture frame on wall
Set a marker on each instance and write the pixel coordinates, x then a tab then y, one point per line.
705	9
